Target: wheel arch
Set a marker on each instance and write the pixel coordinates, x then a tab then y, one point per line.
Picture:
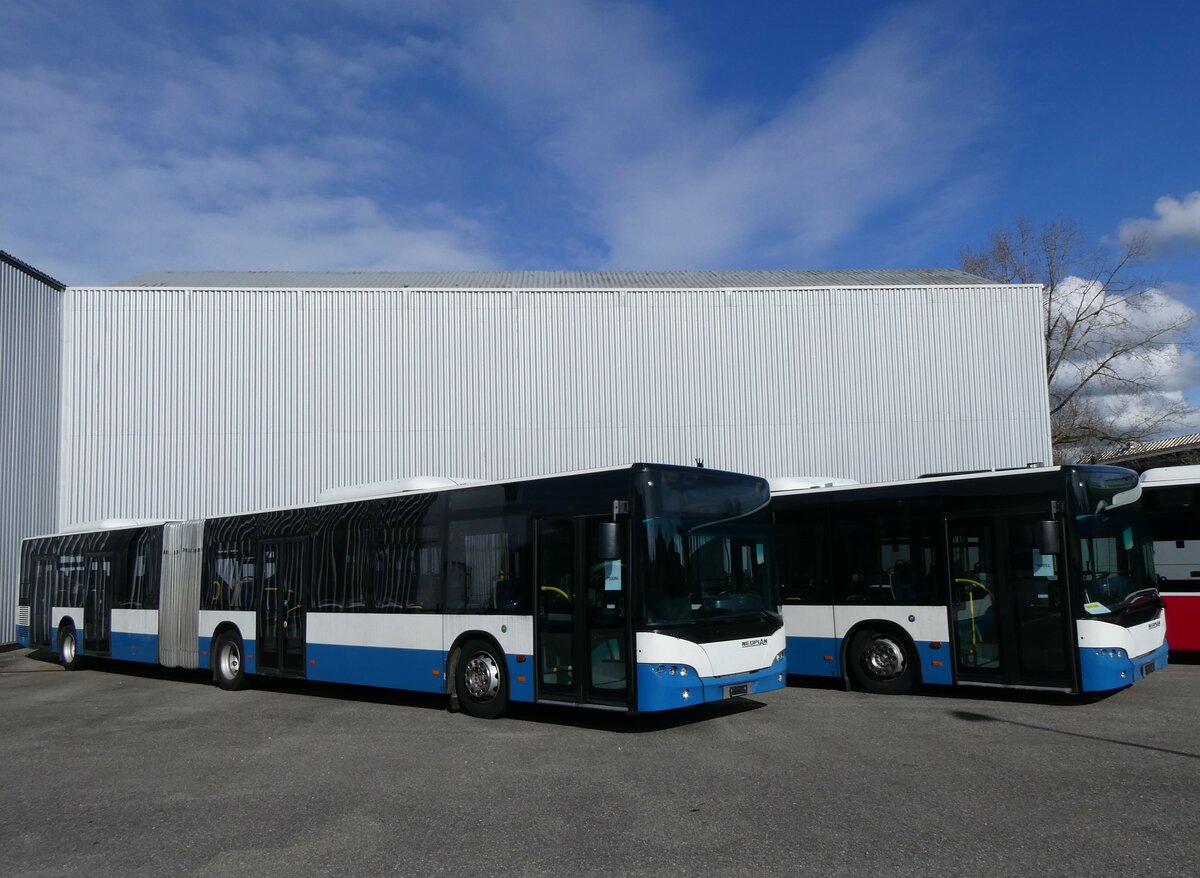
883	626
455	651
222	627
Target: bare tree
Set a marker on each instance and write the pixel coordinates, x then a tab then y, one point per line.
1111	338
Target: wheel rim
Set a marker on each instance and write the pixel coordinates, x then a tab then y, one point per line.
481	677
68	647
230	661
883	658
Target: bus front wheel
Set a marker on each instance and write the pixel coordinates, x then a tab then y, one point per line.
229	661
480	680
880	662
68	649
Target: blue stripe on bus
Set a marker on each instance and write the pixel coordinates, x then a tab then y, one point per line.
806	657
517	690
392	668
942	675
23	635
1102	673
134	647
663	691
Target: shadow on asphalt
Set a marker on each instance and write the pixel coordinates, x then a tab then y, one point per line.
967	693
970	716
561	715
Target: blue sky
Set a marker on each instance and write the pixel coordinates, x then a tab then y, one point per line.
368	135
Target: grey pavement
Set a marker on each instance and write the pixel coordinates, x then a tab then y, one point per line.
123	770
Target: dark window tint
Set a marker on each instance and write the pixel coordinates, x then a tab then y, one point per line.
345	552
884	558
800	552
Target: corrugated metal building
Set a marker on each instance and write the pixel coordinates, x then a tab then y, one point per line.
201	393
30	304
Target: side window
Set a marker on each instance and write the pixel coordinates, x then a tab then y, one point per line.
488	567
231	578
138	588
883	558
800	551
70	581
475	565
409	560
345	542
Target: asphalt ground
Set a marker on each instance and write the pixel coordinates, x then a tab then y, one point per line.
122	770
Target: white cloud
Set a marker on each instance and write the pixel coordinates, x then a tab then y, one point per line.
1175	227
339	148
671	181
261	156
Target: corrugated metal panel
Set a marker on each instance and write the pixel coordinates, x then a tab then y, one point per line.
554	280
181	403
29	320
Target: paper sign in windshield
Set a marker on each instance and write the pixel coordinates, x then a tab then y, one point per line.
1096	608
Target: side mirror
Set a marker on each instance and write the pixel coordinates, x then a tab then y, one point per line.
1046	538
612	543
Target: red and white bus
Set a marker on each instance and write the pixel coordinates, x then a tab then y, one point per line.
1172	503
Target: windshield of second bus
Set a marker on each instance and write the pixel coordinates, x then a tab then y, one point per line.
1115	552
708	549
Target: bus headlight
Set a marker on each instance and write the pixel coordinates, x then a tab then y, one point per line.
779	657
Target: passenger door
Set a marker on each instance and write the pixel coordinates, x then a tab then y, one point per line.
1009	610
583	641
283	586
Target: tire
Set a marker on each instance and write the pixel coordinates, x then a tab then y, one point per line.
881	662
229	661
68	649
481	681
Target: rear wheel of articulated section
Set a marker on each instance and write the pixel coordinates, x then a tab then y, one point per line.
880	662
68	649
480	680
229	661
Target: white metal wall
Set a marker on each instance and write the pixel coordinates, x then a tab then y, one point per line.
29	351
180	403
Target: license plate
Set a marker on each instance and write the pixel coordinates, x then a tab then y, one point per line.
739	689
1148	669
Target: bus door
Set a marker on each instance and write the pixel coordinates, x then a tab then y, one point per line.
41	597
97	603
583	643
282	578
1009	609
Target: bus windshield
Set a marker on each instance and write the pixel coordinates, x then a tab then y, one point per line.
1115	552
708	546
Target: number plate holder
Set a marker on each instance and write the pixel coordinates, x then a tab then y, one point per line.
737	690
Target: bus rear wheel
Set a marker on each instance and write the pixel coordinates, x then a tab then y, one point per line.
480	681
880	662
228	661
68	649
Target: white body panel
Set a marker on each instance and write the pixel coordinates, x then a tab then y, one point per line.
808	621
1136	641
417	630
135	621
928	623
710	659
517	640
245	620
57	614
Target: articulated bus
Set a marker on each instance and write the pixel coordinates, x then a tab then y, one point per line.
1172	498
641	588
1036	578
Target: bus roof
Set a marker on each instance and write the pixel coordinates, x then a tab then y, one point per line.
1170	475
847	485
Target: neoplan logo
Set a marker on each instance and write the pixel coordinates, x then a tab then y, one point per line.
760	641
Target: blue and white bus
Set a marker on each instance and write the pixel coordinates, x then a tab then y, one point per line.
641	588
1036	578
